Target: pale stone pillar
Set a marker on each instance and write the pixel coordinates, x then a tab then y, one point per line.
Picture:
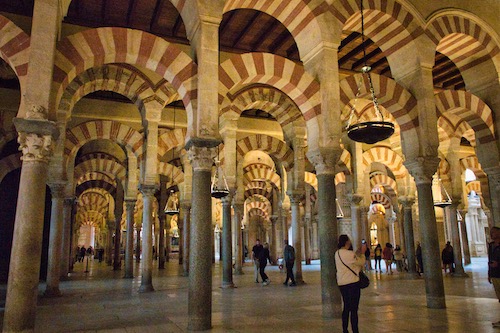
117	263
180	227
407	203
36	142
162	218
465	238
200	269
109	243
328	230
66	237
297	239
356	222
129	251
315	245
238	253
274	241
227	244
455	238
422	170
138	240
148	193
186	221
307	241
55	241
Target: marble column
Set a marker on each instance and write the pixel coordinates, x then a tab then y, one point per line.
55	240
455	238
297	239
407	203
148	195
138	240
307	241
422	170
465	238
227	244
161	242
186	221
494	184
180	227
274	240
109	243
129	250
200	270
66	238
117	263
328	234
238	253
356	222
315	245
36	142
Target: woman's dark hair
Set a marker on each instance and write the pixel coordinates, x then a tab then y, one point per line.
342	241
378	245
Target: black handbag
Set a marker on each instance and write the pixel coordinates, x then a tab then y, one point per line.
364	281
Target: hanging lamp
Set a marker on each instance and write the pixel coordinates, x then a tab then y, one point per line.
340	212
172	206
444	201
368	132
219	188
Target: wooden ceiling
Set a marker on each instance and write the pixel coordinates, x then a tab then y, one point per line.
240	31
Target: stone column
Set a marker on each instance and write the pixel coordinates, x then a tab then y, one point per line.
465	238
328	232
422	170
274	241
307	241
238	253
494	184
455	238
315	245
407	203
356	222
200	269
55	241
148	195
138	229
109	243
297	239
36	142
180	227
66	238
161	242
227	244
129	251
186	221
117	263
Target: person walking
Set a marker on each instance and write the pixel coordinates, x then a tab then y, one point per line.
494	264
387	254
365	249
398	257
447	258
289	258
83	251
349	264
263	258
418	255
378	257
257	248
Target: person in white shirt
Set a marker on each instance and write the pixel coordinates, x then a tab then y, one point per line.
349	264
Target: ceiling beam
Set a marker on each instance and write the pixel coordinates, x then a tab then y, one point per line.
177	25
446	75
262	36
378	63
442	69
452	81
279	41
130	10
225	23
104	10
355	51
247	27
369	56
348	40
156	14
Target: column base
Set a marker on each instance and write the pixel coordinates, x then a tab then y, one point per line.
200	324
238	271
185	273
128	276
146	288
412	276
52	292
331	311
228	285
436	302
460	275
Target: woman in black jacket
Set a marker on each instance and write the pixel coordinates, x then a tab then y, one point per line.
263	258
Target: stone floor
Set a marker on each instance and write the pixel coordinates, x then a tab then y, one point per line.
102	301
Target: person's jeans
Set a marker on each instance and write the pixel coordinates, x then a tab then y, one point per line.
256	266
351	294
289	271
263	275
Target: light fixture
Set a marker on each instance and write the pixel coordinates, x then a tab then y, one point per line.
172	206
340	212
444	201
369	131
219	188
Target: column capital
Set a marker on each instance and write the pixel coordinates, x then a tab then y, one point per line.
354	198
325	159
406	201
422	168
69	201
130	204
201	158
148	190
57	189
36	139
295	197
185	204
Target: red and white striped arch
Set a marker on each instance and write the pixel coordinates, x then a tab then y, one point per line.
444	170
96	47
257	187
174	174
93	184
255	172
388	23
259	208
14	47
382	199
387	157
93	201
93	218
450	126
122	134
268	144
387	182
243	70
298	16
9	164
109	167
171	139
96	176
463	38
469	108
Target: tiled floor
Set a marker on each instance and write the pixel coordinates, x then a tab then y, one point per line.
102	301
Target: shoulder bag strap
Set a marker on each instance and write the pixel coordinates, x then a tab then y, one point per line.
353	272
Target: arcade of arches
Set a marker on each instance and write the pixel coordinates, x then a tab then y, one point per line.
113	111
